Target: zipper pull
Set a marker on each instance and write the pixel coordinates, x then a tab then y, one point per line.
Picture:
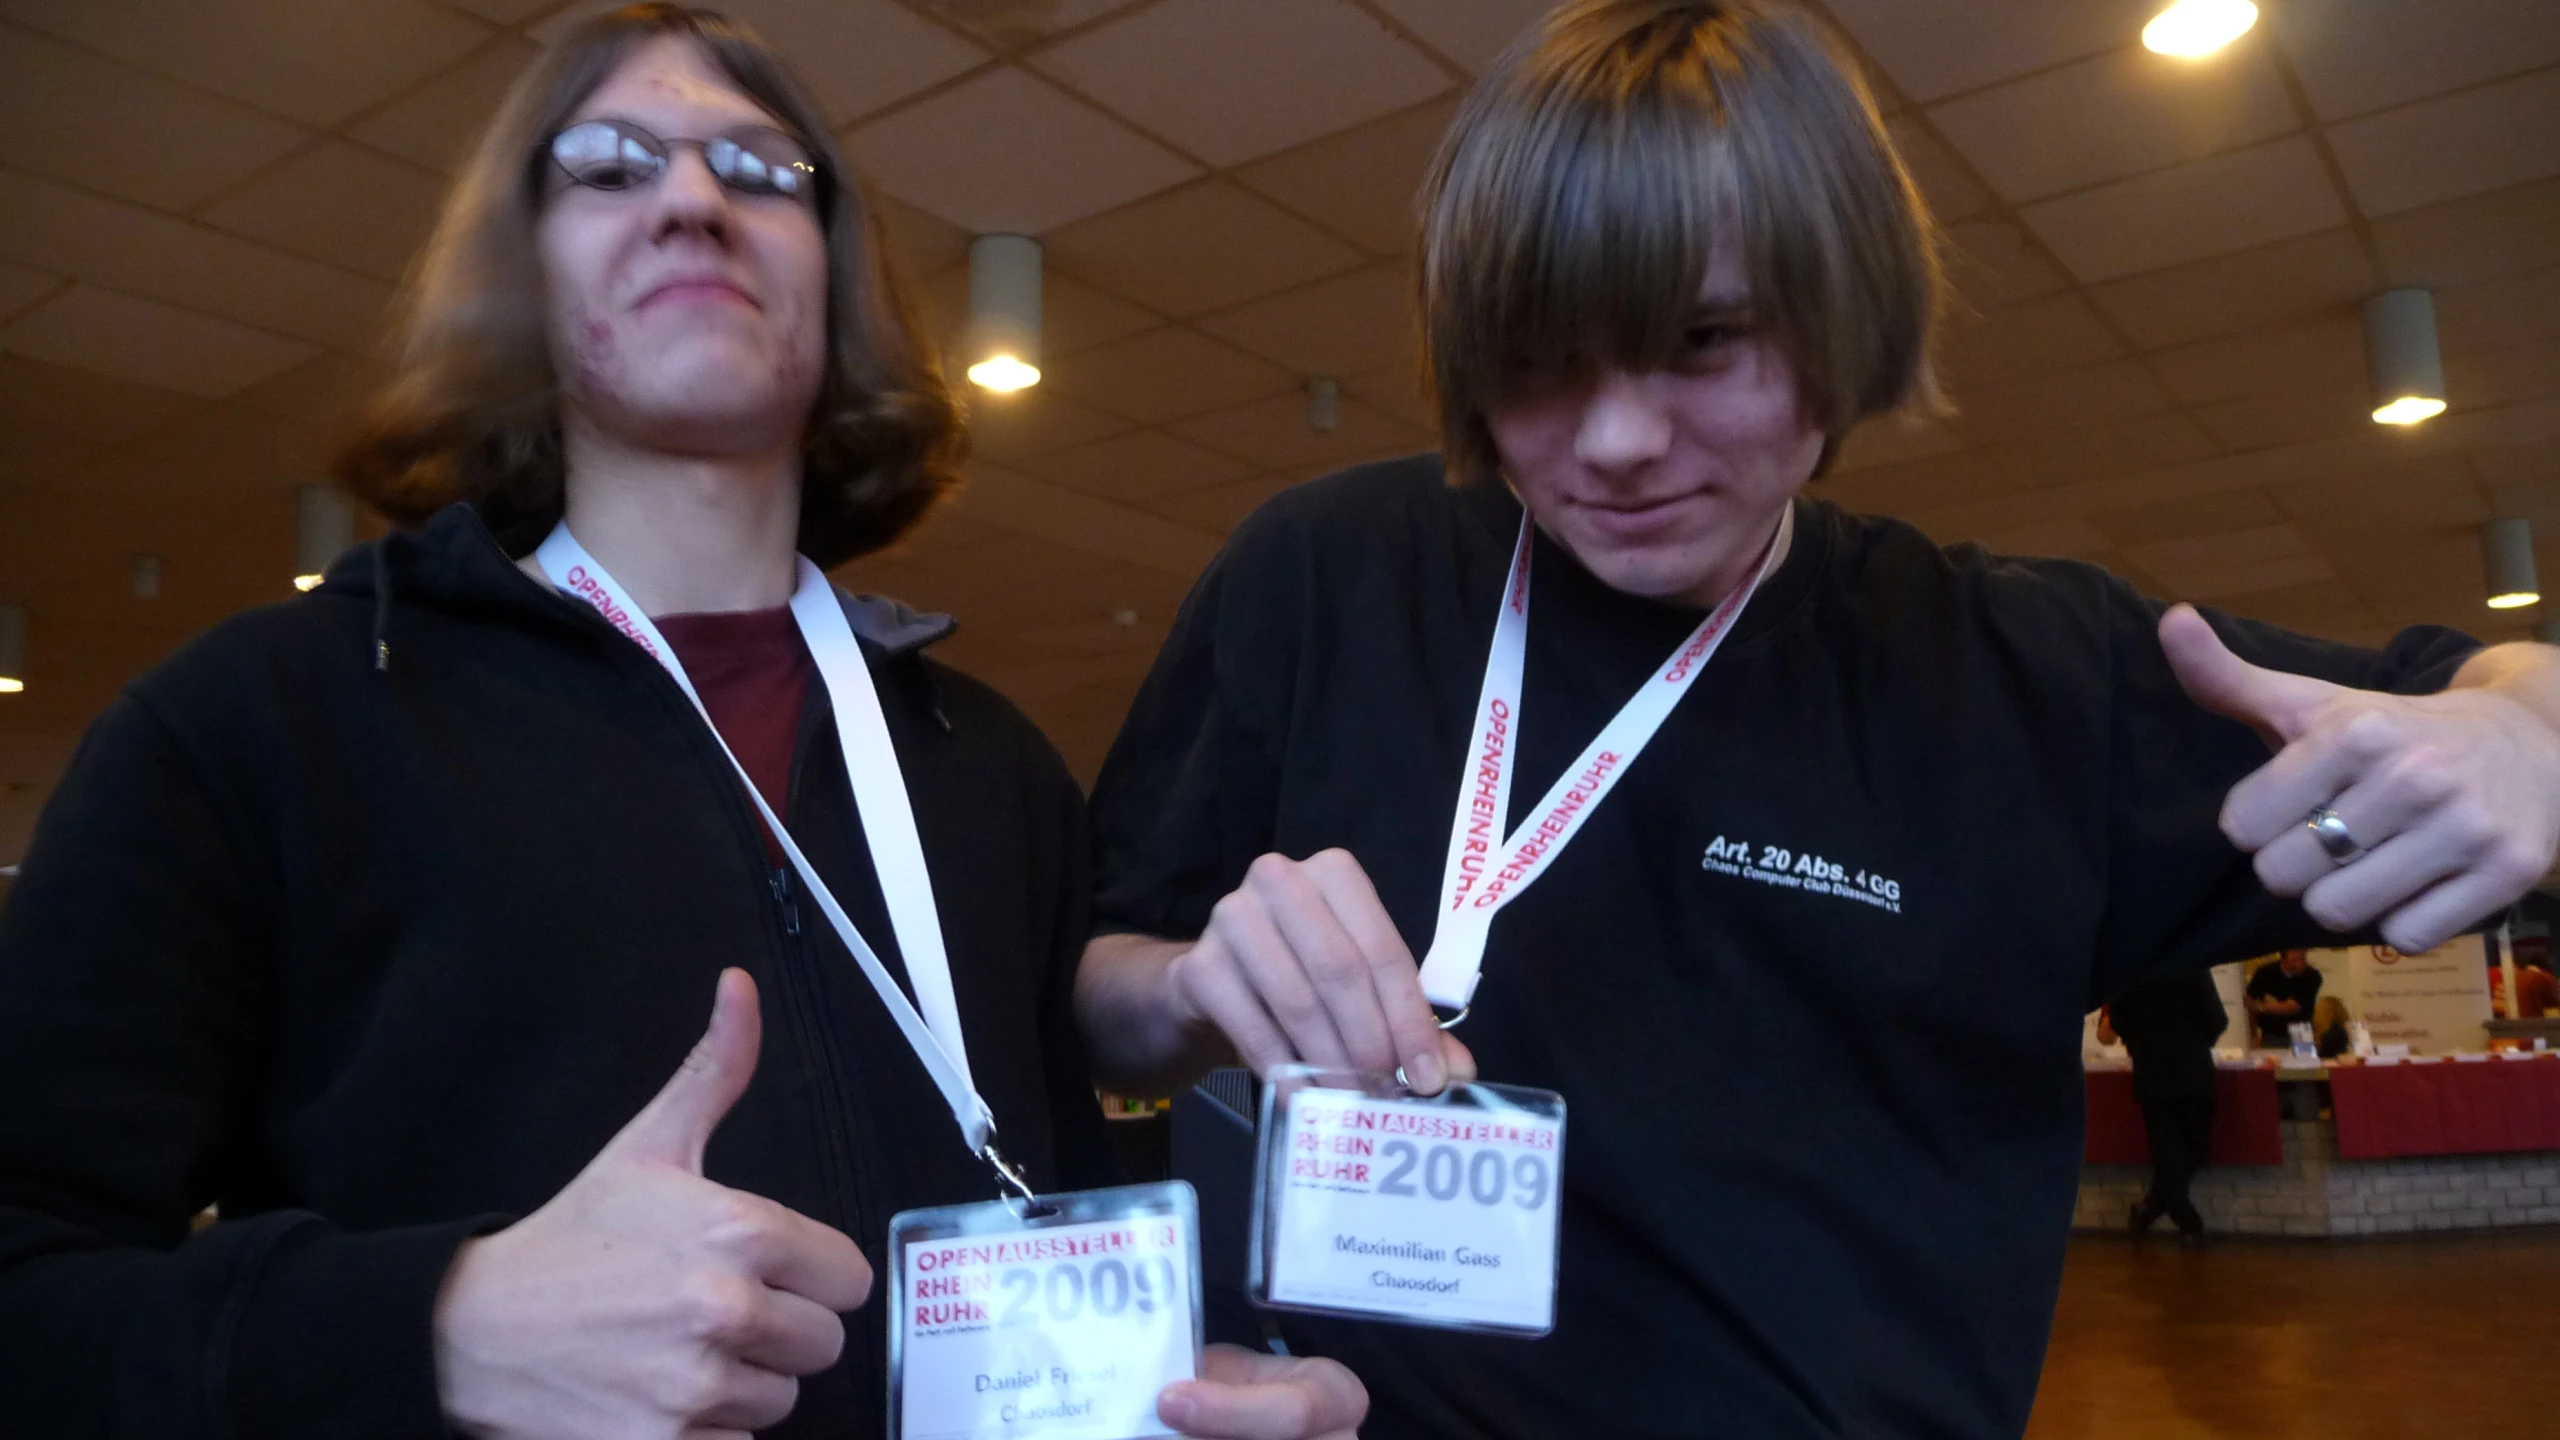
782	898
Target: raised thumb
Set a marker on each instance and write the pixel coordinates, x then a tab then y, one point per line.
676	1125
2278	705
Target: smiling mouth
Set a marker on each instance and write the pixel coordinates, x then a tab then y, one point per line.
696	290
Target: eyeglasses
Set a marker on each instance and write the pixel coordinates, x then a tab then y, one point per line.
615	155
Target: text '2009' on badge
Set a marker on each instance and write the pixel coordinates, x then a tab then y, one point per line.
1371	1201
1060	1321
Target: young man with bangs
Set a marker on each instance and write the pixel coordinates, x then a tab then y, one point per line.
1811	975
386	920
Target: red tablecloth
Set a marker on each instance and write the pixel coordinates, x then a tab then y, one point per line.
2244	1120
2446	1109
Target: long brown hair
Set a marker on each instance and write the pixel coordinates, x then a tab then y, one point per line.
1583	184
471	409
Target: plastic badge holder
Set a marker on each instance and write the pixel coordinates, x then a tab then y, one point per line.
1060	1323
1377	1204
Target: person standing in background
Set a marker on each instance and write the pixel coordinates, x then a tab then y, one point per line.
2168	1028
2283	995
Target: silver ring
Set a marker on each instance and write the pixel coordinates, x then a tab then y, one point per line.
2333	835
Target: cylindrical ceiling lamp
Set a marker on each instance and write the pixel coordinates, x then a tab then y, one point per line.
2506	552
328	528
1003	341
2400	352
2193	29
1324	404
13	649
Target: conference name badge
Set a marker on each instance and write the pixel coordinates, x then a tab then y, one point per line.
1056	1320
1371	1201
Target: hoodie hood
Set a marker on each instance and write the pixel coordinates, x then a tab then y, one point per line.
453	563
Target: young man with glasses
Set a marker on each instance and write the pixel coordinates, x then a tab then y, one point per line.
1798	908
386	920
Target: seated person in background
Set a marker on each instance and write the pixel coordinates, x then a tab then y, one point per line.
2329	1025
2168	1028
2283	995
2537	989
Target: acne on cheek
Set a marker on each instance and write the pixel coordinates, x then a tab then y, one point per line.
798	354
594	361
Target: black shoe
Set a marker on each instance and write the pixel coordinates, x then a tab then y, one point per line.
2139	1221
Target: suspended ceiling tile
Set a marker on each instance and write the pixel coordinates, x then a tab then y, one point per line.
2054	333
2205	208
436	123
2501	377
1274	434
2265	361
1009	428
2499	314
1889	439
1219	509
1006	153
2474	238
503	12
1229	80
2089	453
1934	48
1203	247
857	56
144	252
1169	373
2230	548
1399	391
2299	412
2326	608
2068	539
71	414
125	338
2220	513
21	287
315	61
1470	32
1139	466
128	132
1361	183
2457	145
336	203
2311	277
1010	25
2111	116
1996	262
2356	56
923	244
1347	325
1946	182
2025	405
1099	527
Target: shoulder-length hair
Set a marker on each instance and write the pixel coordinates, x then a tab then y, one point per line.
1586	178
471	409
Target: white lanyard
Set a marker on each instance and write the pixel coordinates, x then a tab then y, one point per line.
932	1023
1487	870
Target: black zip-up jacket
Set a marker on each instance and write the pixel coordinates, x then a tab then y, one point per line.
371	916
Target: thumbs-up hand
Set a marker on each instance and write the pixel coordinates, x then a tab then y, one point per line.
644	1301
2452	799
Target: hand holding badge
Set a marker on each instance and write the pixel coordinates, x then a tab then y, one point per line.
1032	1317
1373	1201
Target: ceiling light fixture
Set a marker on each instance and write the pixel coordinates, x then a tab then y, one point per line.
13	649
2506	552
2193	29
1324	404
2400	353
328	528
146	577
1004	312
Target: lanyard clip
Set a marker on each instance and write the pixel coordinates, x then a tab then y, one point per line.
1448	1016
1009	1173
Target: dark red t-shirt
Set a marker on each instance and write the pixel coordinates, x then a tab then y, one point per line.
752	670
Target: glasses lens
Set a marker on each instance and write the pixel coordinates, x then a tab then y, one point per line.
607	156
760	162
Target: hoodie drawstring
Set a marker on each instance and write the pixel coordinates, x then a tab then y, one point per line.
381	608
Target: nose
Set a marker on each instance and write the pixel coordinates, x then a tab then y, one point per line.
688	198
1623	425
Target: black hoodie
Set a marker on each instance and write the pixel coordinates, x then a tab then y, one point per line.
371	916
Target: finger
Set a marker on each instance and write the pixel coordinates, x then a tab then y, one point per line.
1246	1396
1270	965
2445	911
1331	958
677	1123
801	1337
789	1251
2378	882
751	1398
2374	810
1213	980
1460	1060
2280	706
1413	1032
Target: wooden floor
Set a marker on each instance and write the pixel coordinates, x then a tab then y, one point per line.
2452	1336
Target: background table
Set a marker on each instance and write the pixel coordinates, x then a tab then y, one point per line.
2449	1108
2244	1120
